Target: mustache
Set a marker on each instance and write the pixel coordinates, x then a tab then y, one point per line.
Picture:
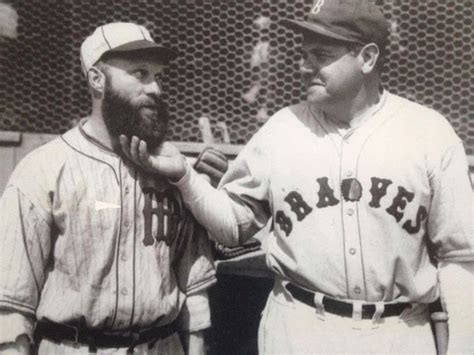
153	102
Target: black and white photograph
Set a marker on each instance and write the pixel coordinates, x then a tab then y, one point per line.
226	177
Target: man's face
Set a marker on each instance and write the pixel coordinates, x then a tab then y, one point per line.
131	104
330	71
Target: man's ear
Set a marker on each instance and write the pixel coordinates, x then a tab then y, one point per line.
96	79
369	55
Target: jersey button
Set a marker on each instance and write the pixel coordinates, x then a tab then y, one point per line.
124	257
124	291
352	251
349	173
126	224
127	190
350	211
357	289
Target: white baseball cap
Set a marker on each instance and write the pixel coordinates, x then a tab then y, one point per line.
120	37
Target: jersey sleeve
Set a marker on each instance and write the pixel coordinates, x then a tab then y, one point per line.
240	207
247	184
24	251
450	216
13	324
195	272
195	314
193	260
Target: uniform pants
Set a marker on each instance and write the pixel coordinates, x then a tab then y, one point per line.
167	346
291	327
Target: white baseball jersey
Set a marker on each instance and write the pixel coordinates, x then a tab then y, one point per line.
72	243
356	212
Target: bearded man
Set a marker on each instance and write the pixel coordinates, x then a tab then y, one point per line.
95	254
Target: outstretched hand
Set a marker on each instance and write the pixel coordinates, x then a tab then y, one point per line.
165	160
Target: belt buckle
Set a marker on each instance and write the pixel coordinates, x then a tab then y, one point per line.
76	333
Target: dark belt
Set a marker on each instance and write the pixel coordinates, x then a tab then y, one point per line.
345	309
100	339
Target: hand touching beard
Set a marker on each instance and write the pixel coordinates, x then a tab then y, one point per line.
147	119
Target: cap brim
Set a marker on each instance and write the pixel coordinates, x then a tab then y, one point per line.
303	26
161	53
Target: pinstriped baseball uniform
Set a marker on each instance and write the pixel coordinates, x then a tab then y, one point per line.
352	208
72	244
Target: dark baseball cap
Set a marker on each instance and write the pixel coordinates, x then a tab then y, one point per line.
358	21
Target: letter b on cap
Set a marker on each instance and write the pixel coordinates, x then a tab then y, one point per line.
317	7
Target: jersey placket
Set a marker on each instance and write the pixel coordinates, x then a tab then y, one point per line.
350	148
125	257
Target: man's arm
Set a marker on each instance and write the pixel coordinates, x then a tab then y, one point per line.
197	345
193	342
450	231
15	333
195	317
232	214
457	293
169	162
24	251
20	347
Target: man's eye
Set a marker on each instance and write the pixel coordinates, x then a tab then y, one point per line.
319	55
139	74
159	77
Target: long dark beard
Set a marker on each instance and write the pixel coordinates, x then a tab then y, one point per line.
123	117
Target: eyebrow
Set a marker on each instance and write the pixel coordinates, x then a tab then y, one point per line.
144	66
319	51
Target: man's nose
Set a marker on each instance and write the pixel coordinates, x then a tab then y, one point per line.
153	88
306	67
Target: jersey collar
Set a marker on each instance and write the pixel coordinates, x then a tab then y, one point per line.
93	140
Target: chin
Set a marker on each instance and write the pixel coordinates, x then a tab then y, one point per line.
316	94
152	138
152	130
315	99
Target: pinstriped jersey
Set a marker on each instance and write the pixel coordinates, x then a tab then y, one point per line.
357	212
73	246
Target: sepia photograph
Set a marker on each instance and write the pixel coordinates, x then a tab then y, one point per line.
236	177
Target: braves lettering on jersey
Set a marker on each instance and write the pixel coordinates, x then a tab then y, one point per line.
351	191
83	235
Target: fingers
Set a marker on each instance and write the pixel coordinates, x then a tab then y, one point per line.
166	160
143	155
216	159
213	163
135	150
214	175
125	145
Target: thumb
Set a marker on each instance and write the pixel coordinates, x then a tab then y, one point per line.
171	167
